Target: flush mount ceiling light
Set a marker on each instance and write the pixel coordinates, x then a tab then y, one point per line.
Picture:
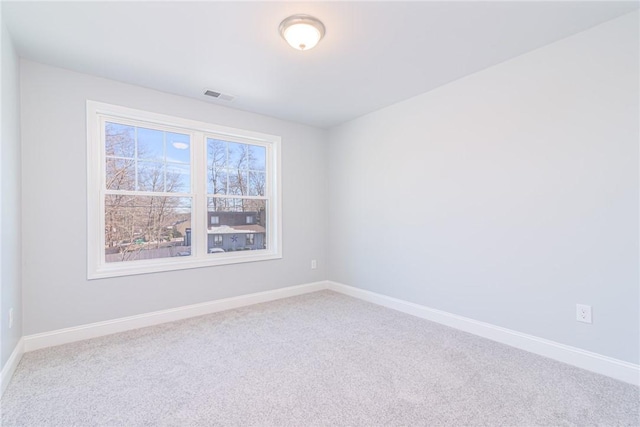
302	32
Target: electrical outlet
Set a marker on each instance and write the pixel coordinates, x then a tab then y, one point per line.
583	313
11	318
314	264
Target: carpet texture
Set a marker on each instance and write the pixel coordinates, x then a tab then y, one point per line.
317	359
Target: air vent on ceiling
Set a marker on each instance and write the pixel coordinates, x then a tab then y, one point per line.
218	95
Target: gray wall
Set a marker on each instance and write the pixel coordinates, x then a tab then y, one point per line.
10	220
56	292
507	196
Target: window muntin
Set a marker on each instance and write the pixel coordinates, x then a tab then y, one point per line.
166	186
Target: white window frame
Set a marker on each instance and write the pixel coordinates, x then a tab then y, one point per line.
97	267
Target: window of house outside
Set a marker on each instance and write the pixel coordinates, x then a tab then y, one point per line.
166	193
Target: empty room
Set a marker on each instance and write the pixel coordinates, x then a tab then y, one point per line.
320	213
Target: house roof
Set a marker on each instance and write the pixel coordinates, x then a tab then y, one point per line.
237	229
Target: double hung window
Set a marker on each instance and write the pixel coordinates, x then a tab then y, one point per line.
167	193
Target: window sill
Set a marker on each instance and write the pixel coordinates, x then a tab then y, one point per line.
182	263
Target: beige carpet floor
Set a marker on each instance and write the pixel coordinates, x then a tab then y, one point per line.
322	359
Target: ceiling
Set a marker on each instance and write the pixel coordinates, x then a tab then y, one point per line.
374	53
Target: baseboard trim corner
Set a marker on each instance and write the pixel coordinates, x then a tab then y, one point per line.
594	362
98	329
10	367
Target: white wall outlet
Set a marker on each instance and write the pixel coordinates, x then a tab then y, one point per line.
11	318
583	313
314	264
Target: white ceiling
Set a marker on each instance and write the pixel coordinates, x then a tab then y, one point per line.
374	54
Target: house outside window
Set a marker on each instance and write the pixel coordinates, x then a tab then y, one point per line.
164	191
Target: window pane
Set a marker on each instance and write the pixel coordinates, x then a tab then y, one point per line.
257	182
150	144
120	174
217	182
146	227
238	182
178	148
150	176
257	158
237	219
216	166
238	158
178	179
119	140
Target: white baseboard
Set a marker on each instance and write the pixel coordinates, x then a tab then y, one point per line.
618	369
10	367
94	330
